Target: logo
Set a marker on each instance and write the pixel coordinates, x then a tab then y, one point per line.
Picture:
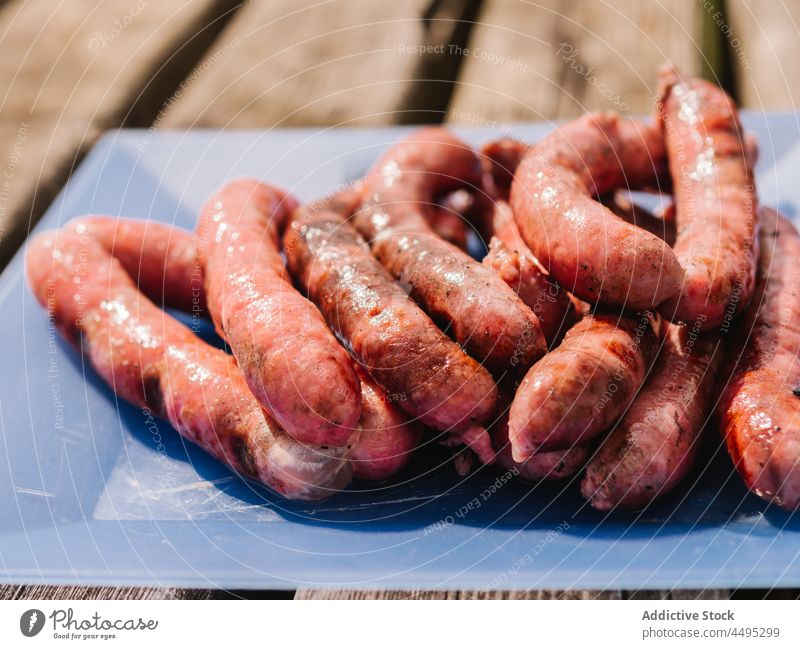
31	622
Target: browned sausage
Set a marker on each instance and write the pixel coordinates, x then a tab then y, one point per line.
421	369
386	439
545	465
581	387
759	411
162	259
155	362
650	451
715	199
511	258
501	158
289	357
589	250
478	309
661	226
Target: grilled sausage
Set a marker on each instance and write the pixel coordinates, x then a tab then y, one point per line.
651	450
545	465
500	159
715	200
289	357
161	259
661	226
154	362
479	310
581	387
386	439
511	258
759	410
589	250
165	262
420	368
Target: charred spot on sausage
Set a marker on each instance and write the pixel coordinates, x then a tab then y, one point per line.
243	454
153	396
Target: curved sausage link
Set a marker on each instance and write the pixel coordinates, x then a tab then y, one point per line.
511	258
545	465
164	260
483	314
759	410
160	258
504	155
153	361
501	158
448	218
580	388
652	449
386	439
589	250
662	226
289	357
420	368
715	198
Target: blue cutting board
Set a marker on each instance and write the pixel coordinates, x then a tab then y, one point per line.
93	492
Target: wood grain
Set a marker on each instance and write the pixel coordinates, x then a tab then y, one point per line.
453	594
97	592
133	592
329	62
505	594
70	74
557	59
762	46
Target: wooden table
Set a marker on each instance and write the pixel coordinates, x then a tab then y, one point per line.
70	75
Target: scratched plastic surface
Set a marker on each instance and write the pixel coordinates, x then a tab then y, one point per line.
93	491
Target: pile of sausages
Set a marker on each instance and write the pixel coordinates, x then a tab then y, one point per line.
594	336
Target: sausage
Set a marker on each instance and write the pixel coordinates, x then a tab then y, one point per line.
421	369
759	409
504	155
386	439
154	362
477	308
511	258
165	260
583	245
715	199
581	387
652	449
661	226
545	465
345	201
290	359
160	258
500	159
447	218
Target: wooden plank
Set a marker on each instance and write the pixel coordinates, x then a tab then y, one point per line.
329	62
554	59
311	593
762	44
99	592
132	592
69	74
